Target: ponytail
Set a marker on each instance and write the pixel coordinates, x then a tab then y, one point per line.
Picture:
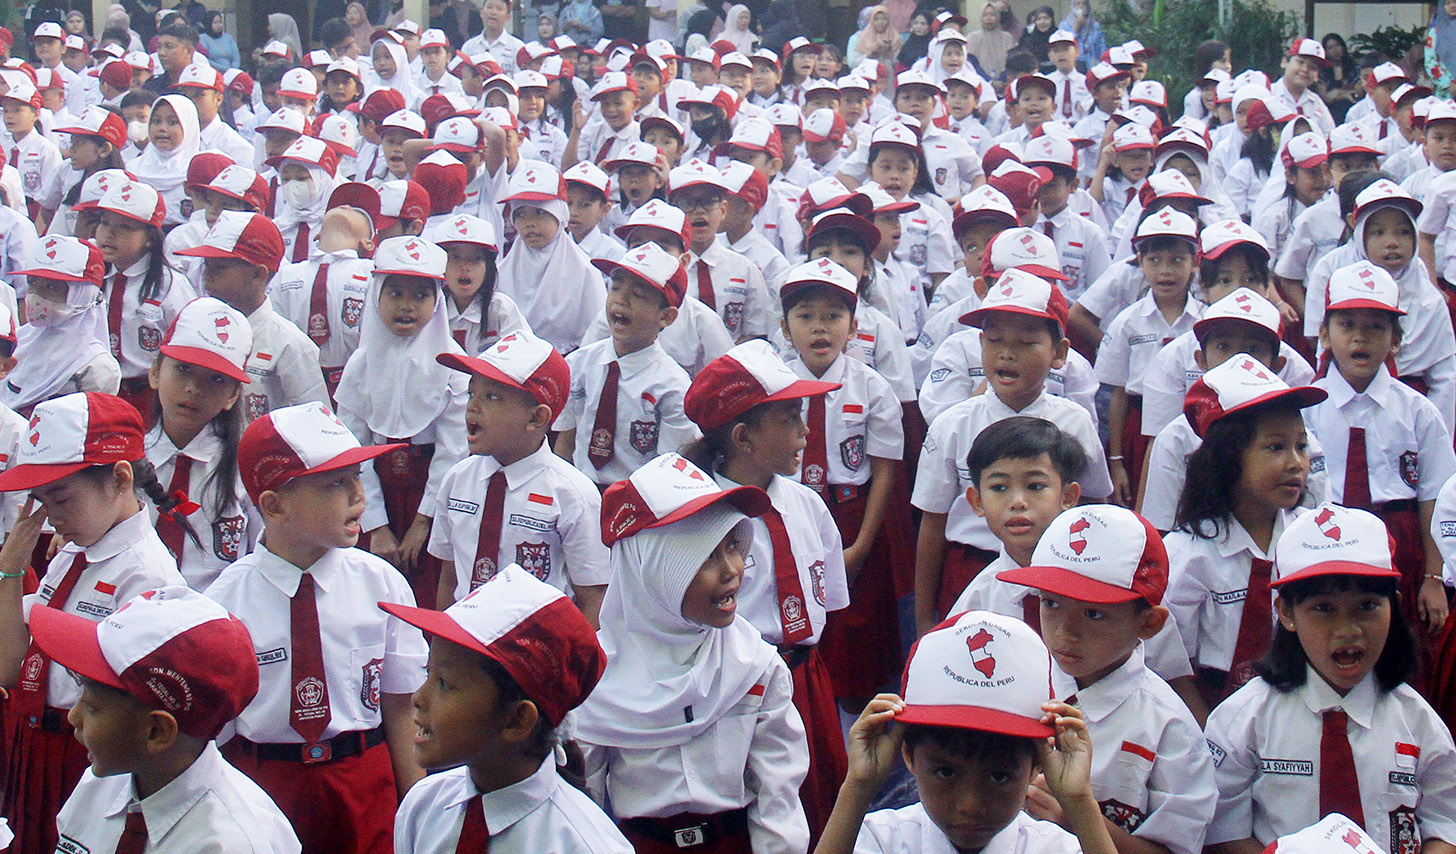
716	446
144	480
156	264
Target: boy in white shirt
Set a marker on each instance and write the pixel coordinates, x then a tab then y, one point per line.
747	193
1073	101
37	158
587	201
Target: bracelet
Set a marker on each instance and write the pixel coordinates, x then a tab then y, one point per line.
1439	578
20	574
1117	457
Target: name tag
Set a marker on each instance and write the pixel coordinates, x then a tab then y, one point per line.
531	523
1288	767
463	506
1403	778
1231	596
1142	339
272	656
93	609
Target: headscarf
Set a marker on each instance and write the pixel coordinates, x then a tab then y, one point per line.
529	276
990	47
402	81
166	171
285	29
914	47
1223	206
659	662
46	357
881	43
741	37
394	383
364	31
287	216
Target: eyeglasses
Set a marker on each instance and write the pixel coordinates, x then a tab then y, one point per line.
697	203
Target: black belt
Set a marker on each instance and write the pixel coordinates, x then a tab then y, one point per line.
690	830
795	655
341	746
1401	505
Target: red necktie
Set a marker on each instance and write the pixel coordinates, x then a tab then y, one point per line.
308	710
603	445
134	837
169	528
487	541
1339	787
1357	471
1031	613
792	614
1048	229
1256	625
300	243
30	690
459	336
815	471
15	157
1067	97
318	305
474	835
272	196
705	285
373	162
606	149
113	313
1131	191
1384	128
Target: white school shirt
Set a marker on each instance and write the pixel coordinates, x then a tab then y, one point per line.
954	298
1117	194
542	814
1083	247
1443	530
17	236
898	285
1081	203
188	235
956	371
1167	471
943	475
1071	86
954	165
1134	338
12	428
1116	289
754	756
1407	448
739	291
41	166
503	48
1276	222
1406	161
127	560
926	243
1438	218
862	419
694	339
503	318
1419	181
224	536
1315	232
1308	104
369	166
550	140
878	343
144	323
210	808
1175	369
347	283
599	244
551	521
1266	750
1208	580
1228	146
283	367
972	131
595	135
778	220
650	418
367	653
425	87
1243	183
223	138
771	263
909	830
818	554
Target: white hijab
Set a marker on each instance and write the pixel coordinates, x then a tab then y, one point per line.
165	171
526	274
1223	206
46	357
401	81
741	37
659	663
287	216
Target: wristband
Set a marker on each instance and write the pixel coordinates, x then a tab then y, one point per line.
21	574
1117	457
1439	578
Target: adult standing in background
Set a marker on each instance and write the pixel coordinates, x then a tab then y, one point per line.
117	17
1083	24
917	44
990	44
581	20
738	30
1037	38
877	39
75	24
901	11
662	20
283	28
1441	49
222	48
357	17
493	38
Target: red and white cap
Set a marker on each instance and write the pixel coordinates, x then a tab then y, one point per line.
211	334
243	184
65	259
1137	114
897	134
299	83
1334	540
523	361
1362	285
1219	237
49	30
1242	304
1214	76
310	151
1386	193
1050	150
315	58
409	255
1310	48
72	432
984	204
737	59
1237	385
813	86
200	76
714	95
24	91
669	489
98	121
251	237
135	200
1305	150
659	215
1062	37
117	74
1264	112
747	375
918	78
285	118
705	55
1133	136
821	272
588	173
1036	81
527	627
297	441
1098	553
1385	72
1149	92
800	43
407	120
527	79
94	188
853	83
664	121
1018	182
979	671
1118	55
613	81
636	153
653	266
695	173
537	182
347	65
458	134
824	125
1333	833
172	648
402	200
1168	222
1023	249
205	166
339	134
1183	139
465	228
883	202
746	183
48	78
276	48
1352	139
824	194
1020	292
1440	111
757	134
434	38
858	225
785	115
501	117
1103	72
407	26
1170	184
75	42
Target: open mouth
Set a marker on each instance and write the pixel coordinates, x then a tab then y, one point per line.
618	320
1347	657
728	602
472	429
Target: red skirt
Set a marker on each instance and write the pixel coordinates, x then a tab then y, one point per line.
403	475
828	763
341	807
1134	443
41	770
1443	675
962	564
1403	521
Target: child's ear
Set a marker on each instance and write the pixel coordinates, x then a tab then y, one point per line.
774	165
1059	353
1071	494
1278	362
366	244
1153	621
124	476
973	498
540	417
1350	220
853	330
1324	334
667	316
162	731
1200	360
1285	612
261	275
521	721
270	504
154	374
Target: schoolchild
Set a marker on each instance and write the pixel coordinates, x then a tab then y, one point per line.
747	194
1439	147
305	181
97	138
1322	226
613	128
897	284
1122	169
756	141
586	198
1305	158
1082	245
32	152
635	180
477	312
201	170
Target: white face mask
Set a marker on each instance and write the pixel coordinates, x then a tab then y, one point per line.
42	312
136	131
296	192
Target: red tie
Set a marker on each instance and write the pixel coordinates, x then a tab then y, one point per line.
474	835
606	149
1339	789
373	162
308	711
792	614
169	528
603	445
1031	612
300	243
113	313
1255	626
705	285
30	690
815	471
272	196
1048	229
1067	97
318	305
1357	471
134	836
1131	191
459	336
15	157
1384	128
487	541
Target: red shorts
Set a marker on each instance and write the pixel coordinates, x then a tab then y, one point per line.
1134	443
828	763
42	768
962	564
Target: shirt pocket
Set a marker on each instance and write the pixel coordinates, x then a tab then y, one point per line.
732	738
1122	789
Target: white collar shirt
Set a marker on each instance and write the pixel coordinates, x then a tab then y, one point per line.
694	339
862	421
740	295
346	284
1081	244
1135	336
1174	370
956	372
144	323
909	830
227	530
283	367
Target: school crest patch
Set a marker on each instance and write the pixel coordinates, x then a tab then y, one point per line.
1410	468
643	436
940	175
1405	834
483	571
369	684
816	581
227	537
733	316
534	558
149	338
852	452
1123	815
353	311
257	406
32	181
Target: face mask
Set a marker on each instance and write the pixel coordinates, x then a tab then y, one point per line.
41	312
296	192
708	128
136	131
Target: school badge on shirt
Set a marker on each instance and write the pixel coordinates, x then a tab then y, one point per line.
227	537
534	558
643	436
369	685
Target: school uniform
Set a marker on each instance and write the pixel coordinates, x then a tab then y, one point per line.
971	130
954	165
219	136
1081	245
17	236
474	333
731	285
598	244
1117	194
1406	158
425	87
599	143
952	290
878	343
188	235
694	339
1174	370
41	165
897	286
1438	218
648	407
13	427
1419	181
211	806
926	244
223	535
481	193
1275	222
542	814
1268	757
771	263
956	371
1073	99
503	48
1116	289
778	220
1314	233
324	296
370	167
550	140
1243	183
137	326
339	793
283	367
909	830
802	172
1308	104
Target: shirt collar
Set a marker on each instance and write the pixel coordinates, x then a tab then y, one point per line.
471	312
526	467
504	807
122	536
711	256
203	448
1235	539
164	808
997	408
1359	704
285	576
1342	393
138	269
1104	696
833	374
261	314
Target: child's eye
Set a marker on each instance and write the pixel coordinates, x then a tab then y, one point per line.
944	772
1000	778
1093	614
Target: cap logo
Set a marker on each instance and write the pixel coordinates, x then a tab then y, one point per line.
412	249
1245	304
1250	366
1028	241
51	248
1325	521
982	660
462	226
1076	540
530	176
682	465
220	328
126	193
1352	839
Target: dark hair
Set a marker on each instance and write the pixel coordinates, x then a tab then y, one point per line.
565	103
509	692
1258	262
1259	148
701	22
138	98
798	295
120	35
1353	184
1162	243
595	193
974	744
487	286
1284	665
227	426
1207	54
1020	61
1215	469
271	73
156	264
335	30
113	160
7	348
923	185
1395	328
209	16
1023	437
144	481
181	30
710	451
1339	39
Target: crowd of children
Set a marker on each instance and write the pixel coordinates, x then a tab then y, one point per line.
565	448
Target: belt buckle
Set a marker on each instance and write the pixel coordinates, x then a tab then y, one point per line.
313	754
690	837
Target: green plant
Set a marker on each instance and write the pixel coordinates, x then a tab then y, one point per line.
1391	42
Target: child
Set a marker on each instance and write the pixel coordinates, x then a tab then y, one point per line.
799	56
1073	101
1243	480
1256	159
587	201
962	99
626	391
1022	339
1122	169
31	152
756	142
97	138
691	733
748	405
1330	700
506	666
306	180
549	139
396	129
62	348
203	85
1439	147
637	178
1100	573
1297	88
173	138
478	314
198	377
725	281
327	735
599	141
823	131
665	134
897	284
897	166
747	194
433	78
977	726
1082	245
1306	179
83	460
151	744
1319	229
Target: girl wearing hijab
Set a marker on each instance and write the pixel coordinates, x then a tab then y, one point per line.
393	391
737	28
875	40
548	276
305	180
390	69
917	44
283	28
990	44
1090	40
173	138
1036	39
689	682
